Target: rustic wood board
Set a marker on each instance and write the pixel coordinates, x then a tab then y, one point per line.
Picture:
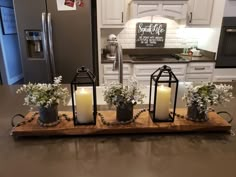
143	124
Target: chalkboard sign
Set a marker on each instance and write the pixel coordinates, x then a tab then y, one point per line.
8	20
150	34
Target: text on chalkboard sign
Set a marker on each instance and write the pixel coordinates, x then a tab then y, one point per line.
150	34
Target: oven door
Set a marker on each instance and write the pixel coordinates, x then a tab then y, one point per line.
226	57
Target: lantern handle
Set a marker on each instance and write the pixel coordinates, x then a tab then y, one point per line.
81	69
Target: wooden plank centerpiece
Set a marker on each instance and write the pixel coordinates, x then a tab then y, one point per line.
143	124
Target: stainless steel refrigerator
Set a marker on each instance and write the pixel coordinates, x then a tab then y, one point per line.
54	42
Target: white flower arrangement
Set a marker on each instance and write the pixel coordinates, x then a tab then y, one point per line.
44	94
118	95
206	95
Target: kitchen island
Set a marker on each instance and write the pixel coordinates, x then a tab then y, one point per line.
192	154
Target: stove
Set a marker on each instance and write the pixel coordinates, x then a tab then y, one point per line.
161	58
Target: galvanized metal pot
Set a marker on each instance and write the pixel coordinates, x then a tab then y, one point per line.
124	112
48	115
195	115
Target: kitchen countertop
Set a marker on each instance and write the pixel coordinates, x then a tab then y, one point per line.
206	57
165	155
185	59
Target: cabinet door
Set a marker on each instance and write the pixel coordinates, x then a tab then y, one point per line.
148	69
201	67
145	80
113	12
115	78
224	78
199	78
108	69
147	9
200	12
174	9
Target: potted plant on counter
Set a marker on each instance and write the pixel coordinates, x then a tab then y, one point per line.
199	99
123	98
46	97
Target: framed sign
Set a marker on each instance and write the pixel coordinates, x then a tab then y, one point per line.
8	20
150	34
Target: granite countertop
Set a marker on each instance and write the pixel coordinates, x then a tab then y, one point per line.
206	57
142	155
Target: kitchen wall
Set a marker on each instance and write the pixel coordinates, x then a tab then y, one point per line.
230	7
210	40
177	35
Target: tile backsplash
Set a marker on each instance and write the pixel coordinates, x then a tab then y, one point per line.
177	35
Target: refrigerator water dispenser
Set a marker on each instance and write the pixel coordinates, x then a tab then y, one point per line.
34	43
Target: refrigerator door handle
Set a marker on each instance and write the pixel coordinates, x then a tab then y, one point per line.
51	52
45	45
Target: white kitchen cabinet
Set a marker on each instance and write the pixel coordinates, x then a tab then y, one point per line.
145	80
112	76
224	75
142	73
200	72
113	12
198	78
224	78
115	78
108	69
201	67
142	9
172	9
148	69
199	12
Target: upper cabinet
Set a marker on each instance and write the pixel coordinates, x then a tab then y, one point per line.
113	12
173	9
199	12
142	9
177	10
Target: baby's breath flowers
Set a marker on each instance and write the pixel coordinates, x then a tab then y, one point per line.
206	95
118	95
44	94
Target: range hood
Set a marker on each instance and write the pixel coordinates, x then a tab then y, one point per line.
174	9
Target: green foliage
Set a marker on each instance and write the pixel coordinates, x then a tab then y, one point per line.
205	95
44	94
118	95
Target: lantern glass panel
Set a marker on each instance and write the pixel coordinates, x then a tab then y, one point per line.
84	104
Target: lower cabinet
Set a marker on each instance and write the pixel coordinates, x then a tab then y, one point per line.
146	80
224	78
115	78
200	72
189	72
142	73
224	75
198	78
148	69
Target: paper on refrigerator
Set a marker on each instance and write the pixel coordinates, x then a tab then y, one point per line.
66	5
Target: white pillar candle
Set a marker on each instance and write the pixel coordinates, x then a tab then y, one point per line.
84	105
163	102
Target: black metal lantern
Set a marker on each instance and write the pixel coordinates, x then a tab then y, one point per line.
163	92
84	100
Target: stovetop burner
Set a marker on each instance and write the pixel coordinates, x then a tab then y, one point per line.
155	57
